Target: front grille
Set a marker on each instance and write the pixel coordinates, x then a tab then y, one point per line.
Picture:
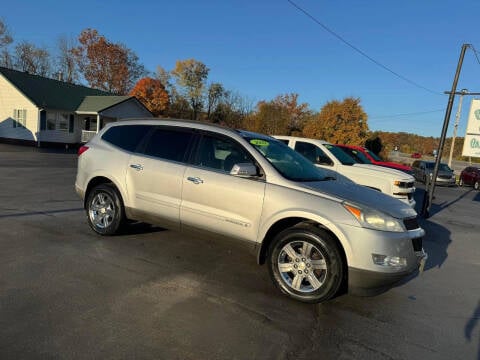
411	223
405	185
417	244
446	177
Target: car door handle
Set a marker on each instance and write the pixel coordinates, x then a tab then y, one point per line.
137	167
195	180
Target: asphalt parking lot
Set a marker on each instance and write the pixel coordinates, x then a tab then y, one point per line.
66	293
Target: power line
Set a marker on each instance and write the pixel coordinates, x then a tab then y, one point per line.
475	53
406	114
360	51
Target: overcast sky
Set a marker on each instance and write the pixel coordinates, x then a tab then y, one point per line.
263	48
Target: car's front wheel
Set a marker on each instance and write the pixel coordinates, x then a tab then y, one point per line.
105	210
306	264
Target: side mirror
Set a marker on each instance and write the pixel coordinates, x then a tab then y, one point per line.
244	170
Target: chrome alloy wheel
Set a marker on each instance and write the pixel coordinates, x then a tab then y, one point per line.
102	210
302	266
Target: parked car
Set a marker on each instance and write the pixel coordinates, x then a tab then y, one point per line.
325	155
416	155
366	156
316	233
423	170
470	176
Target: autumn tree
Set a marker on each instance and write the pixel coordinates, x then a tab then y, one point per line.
340	122
215	93
281	116
106	65
32	59
66	66
231	110
191	76
152	93
5	40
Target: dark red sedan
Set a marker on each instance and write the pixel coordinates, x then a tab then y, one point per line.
470	176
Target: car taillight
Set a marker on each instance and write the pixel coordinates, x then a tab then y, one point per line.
82	149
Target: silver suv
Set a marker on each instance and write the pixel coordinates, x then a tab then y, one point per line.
317	234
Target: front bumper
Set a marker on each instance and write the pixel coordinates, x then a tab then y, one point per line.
367	282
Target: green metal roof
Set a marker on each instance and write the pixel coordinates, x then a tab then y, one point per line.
95	104
49	93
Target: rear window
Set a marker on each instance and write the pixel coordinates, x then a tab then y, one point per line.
126	137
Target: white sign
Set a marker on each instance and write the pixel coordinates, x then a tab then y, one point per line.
471	145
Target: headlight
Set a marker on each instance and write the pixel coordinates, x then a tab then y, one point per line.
373	219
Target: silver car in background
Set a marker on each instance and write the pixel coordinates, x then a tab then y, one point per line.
423	171
317	235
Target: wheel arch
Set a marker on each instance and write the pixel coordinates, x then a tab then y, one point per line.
292	221
100	179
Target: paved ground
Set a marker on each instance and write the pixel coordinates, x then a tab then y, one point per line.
66	293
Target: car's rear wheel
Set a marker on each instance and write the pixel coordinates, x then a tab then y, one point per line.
460	182
306	264
476	185
105	210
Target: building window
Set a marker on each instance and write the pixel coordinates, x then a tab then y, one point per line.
51	120
20	118
62	122
58	121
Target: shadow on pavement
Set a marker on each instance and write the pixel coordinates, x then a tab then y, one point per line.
471	324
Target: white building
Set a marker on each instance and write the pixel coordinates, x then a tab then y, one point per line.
41	111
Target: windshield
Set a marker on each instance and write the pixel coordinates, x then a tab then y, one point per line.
357	155
287	161
441	166
373	155
341	155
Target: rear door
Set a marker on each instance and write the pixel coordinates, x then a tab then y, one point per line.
215	201
155	173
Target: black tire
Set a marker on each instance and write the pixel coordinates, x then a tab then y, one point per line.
460	182
476	185
105	218
323	249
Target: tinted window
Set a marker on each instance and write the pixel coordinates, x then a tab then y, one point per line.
312	153
341	155
126	137
220	154
168	144
357	155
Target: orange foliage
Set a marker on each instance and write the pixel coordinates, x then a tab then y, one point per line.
152	94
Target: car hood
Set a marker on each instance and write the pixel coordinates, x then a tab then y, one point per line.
361	195
384	171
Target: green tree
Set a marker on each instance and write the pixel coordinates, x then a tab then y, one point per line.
191	76
340	122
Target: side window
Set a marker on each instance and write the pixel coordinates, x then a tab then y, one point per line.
285	141
220	154
168	144
312	153
126	137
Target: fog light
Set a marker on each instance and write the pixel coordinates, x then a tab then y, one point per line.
391	261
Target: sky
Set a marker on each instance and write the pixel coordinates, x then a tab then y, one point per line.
264	48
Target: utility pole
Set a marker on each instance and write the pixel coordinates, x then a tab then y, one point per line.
428	202
455	127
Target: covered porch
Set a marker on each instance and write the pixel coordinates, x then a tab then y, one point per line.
97	111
